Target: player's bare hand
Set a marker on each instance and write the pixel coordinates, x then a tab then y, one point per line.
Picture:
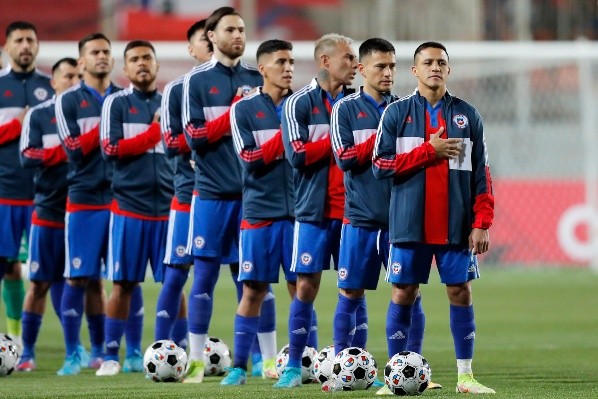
479	241
445	148
22	114
157	116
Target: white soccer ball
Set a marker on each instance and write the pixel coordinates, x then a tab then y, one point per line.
217	355
407	374
323	364
9	355
354	369
165	361
307	362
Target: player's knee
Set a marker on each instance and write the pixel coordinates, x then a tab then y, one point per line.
459	294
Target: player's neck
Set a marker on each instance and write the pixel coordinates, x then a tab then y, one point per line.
330	86
19	69
276	93
432	95
375	94
146	88
98	84
226	60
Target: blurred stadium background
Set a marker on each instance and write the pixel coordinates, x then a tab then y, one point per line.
529	66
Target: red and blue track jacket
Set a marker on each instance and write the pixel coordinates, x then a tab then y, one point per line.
142	178
78	112
41	150
175	143
267	176
208	92
319	186
353	128
17	91
401	153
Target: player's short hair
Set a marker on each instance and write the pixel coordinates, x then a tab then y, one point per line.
329	42
138	43
426	45
199	25
19	25
90	37
271	46
375	44
68	60
217	15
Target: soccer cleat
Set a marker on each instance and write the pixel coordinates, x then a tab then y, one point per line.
236	376
433	385
133	363
384	391
290	378
269	369
84	356
108	369
26	364
95	363
71	366
377	384
195	372
257	369
467	384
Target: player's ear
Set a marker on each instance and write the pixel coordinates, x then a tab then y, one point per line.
361	69
414	70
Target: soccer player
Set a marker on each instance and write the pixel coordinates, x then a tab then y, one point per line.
176	259
268	204
88	202
41	149
208	92
21	86
432	145
319	191
142	182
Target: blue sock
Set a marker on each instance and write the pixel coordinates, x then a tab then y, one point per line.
31	325
418	325
343	322
201	297
95	325
312	338
56	295
245	333
180	332
398	322
360	338
463	329
169	302
134	326
115	329
238	285
71	312
267	322
300	321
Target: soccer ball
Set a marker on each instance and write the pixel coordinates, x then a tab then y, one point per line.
307	362
165	361
217	355
354	369
323	364
9	356
407	373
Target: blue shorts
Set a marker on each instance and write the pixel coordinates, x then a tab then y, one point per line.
132	243
86	243
176	239
264	250
314	244
214	229
411	263
46	253
360	260
14	221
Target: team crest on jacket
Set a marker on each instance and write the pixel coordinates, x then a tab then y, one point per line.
306	258
40	93
247	266
342	273
461	121
246	89
396	268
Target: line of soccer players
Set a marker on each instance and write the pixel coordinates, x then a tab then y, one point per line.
230	166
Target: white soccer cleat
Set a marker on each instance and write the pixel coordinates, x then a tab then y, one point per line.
468	384
384	391
108	369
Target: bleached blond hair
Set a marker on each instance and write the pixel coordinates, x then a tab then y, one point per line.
328	43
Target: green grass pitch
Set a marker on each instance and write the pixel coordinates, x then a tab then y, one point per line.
537	337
